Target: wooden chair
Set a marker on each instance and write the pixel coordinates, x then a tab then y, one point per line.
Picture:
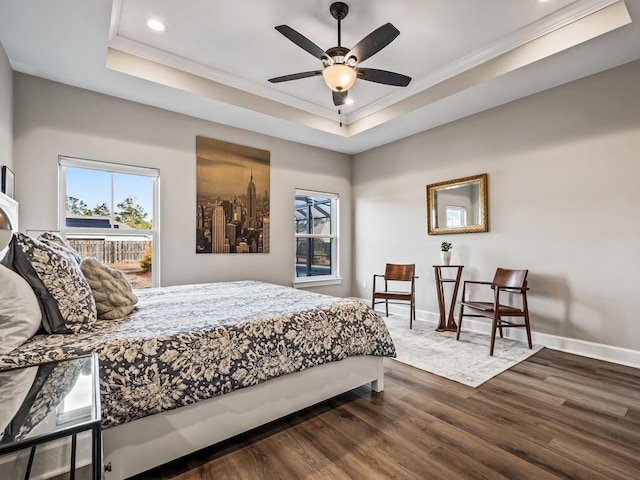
397	273
508	281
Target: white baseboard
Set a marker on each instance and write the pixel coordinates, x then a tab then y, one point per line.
599	351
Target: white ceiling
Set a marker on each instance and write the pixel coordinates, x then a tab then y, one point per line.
214	60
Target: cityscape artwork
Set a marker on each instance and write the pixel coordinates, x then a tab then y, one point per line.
232	189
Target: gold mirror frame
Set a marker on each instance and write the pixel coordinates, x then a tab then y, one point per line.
482	201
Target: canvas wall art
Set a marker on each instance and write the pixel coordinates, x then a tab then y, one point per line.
232	189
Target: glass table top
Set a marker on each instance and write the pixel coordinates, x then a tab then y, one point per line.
48	400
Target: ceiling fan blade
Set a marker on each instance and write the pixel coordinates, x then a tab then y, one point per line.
383	76
340	98
303	42
374	42
295	76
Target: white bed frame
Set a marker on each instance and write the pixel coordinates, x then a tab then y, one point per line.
134	447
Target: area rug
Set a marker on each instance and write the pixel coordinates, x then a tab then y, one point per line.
466	361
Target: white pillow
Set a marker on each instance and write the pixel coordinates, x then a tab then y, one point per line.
20	315
14	387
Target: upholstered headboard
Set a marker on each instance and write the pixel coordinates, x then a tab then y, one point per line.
10	206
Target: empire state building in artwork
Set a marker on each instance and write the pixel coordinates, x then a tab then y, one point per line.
251	203
233	190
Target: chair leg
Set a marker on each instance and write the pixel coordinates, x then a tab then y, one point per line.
528	329
494	327
386	306
412	314
500	327
460	322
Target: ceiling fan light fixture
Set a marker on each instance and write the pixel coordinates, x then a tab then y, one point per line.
339	77
341	65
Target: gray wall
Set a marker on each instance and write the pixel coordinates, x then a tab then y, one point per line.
6	110
563	198
564	172
53	119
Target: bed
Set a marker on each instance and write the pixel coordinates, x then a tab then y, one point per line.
194	364
197	364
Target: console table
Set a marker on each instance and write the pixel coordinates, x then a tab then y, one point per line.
50	401
447	322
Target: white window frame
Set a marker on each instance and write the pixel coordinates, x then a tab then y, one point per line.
320	280
463	214
154	233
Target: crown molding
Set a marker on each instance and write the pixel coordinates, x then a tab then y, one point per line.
116	10
542	27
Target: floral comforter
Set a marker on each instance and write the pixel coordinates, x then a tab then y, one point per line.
192	342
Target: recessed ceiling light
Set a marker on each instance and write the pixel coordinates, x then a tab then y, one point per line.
156	25
349	101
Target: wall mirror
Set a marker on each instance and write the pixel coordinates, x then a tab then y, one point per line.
458	206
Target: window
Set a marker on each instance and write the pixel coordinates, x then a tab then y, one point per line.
110	211
456	216
316	221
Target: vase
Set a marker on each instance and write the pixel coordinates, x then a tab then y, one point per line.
446	258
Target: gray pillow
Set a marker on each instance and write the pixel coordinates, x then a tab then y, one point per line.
55	277
112	291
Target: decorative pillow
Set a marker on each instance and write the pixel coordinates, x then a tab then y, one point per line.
55	277
112	291
57	242
20	316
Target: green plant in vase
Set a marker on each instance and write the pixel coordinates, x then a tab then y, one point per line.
445	252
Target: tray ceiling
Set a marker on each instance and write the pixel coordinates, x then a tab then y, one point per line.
215	57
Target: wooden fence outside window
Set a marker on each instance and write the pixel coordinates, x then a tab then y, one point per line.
125	251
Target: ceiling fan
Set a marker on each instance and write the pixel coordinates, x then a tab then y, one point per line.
340	64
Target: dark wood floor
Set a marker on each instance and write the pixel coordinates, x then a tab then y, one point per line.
552	416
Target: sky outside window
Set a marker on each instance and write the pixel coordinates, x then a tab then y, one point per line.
93	187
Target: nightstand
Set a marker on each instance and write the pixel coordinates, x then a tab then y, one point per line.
49	401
